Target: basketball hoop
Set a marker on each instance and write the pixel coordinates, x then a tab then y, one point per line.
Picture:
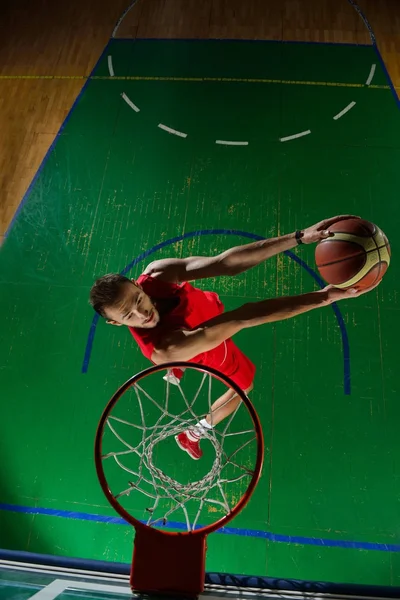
173	512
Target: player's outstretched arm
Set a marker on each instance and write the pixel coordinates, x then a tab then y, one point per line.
240	258
185	345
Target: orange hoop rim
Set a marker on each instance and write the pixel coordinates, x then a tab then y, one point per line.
259	458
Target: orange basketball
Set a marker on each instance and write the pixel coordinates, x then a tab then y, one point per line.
357	255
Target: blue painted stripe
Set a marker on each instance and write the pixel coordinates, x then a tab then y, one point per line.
389	79
340	320
346	350
65	514
174	525
253	236
89	343
50	150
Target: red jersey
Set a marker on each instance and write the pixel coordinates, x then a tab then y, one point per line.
194	308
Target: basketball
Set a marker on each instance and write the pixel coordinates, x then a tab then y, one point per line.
357	255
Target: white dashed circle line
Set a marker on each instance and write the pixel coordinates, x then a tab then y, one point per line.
228	143
295	136
129	102
122	17
237	143
110	65
371	75
344	111
173	131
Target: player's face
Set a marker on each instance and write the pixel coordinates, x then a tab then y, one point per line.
134	308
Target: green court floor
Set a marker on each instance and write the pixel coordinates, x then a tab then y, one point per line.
116	185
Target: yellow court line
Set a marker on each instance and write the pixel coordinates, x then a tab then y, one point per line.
196	80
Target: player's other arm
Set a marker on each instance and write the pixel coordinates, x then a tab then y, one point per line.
185	345
239	258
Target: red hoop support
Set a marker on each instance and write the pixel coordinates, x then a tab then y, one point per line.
173	562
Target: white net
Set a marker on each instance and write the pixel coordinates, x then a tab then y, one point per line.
150	476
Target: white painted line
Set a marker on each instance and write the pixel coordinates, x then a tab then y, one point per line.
129	102
101	587
344	111
173	131
110	65
51	591
227	143
295	136
371	75
58	586
122	17
49	570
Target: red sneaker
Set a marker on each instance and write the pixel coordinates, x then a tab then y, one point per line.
189	446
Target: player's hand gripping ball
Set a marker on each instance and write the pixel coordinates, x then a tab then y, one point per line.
357	254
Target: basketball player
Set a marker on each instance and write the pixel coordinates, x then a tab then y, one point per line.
171	320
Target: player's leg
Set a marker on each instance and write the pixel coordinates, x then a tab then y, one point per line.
224	406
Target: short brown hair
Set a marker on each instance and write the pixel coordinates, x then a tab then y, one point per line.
106	291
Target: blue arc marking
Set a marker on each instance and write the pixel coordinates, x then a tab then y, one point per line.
252	236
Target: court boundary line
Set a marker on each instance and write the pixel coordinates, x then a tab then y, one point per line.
372	35
241	40
392	87
52	145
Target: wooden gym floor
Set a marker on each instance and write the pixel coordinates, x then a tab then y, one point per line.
47	53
